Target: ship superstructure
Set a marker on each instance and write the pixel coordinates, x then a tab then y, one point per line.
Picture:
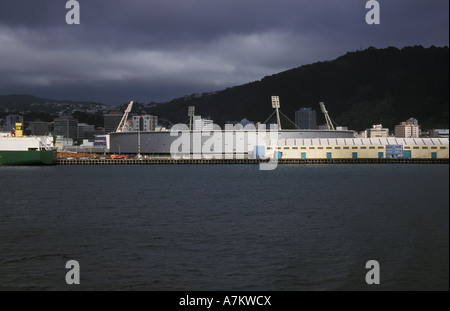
16	149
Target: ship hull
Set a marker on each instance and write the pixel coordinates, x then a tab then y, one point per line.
30	157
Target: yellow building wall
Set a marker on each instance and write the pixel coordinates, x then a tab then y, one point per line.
346	152
320	152
425	152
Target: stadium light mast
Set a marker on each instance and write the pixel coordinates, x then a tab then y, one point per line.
191	113
276	106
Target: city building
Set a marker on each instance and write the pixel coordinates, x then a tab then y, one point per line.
408	129
66	127
84	128
413	121
63	143
40	128
11	121
92	133
161	128
376	131
101	141
145	123
201	124
2	125
112	121
306	119
439	133
87	144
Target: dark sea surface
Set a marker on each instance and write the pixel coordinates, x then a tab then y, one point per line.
225	227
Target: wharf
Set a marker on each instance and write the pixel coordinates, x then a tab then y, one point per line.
156	161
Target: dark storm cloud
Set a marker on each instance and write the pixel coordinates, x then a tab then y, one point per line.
161	49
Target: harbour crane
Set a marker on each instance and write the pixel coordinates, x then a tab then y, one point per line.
123	123
327	117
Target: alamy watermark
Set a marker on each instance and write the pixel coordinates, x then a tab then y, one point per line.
73	15
235	142
373	16
73	276
373	276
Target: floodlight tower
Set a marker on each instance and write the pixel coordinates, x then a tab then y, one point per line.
191	113
327	117
276	106
139	138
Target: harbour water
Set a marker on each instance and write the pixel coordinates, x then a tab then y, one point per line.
224	227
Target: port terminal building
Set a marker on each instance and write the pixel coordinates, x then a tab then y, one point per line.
291	147
357	148
241	143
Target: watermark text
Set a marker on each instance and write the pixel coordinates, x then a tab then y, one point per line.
235	142
73	15
373	16
73	276
373	276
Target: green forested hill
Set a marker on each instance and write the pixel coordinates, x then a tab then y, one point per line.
359	89
35	108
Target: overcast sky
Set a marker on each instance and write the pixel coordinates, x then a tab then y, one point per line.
157	50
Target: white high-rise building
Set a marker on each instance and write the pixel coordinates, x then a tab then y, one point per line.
145	123
202	124
376	131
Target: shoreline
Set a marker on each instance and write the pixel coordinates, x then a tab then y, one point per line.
156	161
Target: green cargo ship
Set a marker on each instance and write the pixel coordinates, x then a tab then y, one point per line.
33	150
31	157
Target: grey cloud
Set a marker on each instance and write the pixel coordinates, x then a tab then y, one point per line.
161	49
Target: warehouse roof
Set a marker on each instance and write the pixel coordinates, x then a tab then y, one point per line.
362	142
